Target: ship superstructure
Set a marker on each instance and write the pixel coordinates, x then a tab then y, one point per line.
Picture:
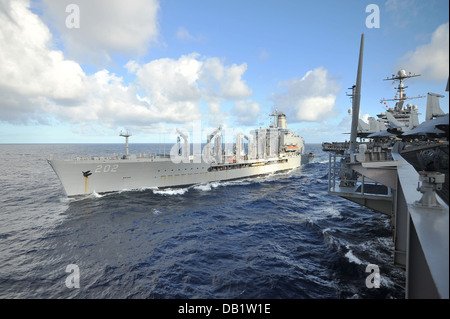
263	151
402	172
407	114
397	119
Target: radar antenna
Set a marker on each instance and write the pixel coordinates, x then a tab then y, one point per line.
401	76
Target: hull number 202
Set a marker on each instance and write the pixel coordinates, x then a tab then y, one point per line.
106	168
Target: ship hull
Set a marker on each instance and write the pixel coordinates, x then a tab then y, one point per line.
112	175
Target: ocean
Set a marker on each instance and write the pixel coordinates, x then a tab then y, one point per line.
274	237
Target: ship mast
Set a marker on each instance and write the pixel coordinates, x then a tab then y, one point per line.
356	98
401	76
126	135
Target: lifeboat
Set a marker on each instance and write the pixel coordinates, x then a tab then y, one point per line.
291	148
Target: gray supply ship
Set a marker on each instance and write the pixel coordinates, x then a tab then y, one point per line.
268	150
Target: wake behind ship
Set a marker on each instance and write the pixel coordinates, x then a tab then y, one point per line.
269	150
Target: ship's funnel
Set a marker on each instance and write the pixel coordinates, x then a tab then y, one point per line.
281	122
279	119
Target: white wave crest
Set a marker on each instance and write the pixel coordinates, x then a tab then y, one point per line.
331	211
96	195
170	191
352	258
208	186
203	187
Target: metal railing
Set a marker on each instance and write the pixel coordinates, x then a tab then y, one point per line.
422	236
362	186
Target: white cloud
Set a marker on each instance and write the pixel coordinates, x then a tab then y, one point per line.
191	79
39	83
171	80
30	70
26	58
223	81
401	13
106	27
113	104
132	66
393	5
311	98
432	59
246	112
401	6
184	35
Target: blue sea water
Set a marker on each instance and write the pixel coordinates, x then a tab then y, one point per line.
274	237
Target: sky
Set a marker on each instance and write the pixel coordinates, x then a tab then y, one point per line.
81	71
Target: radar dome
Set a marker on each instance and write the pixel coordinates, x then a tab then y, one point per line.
401	73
